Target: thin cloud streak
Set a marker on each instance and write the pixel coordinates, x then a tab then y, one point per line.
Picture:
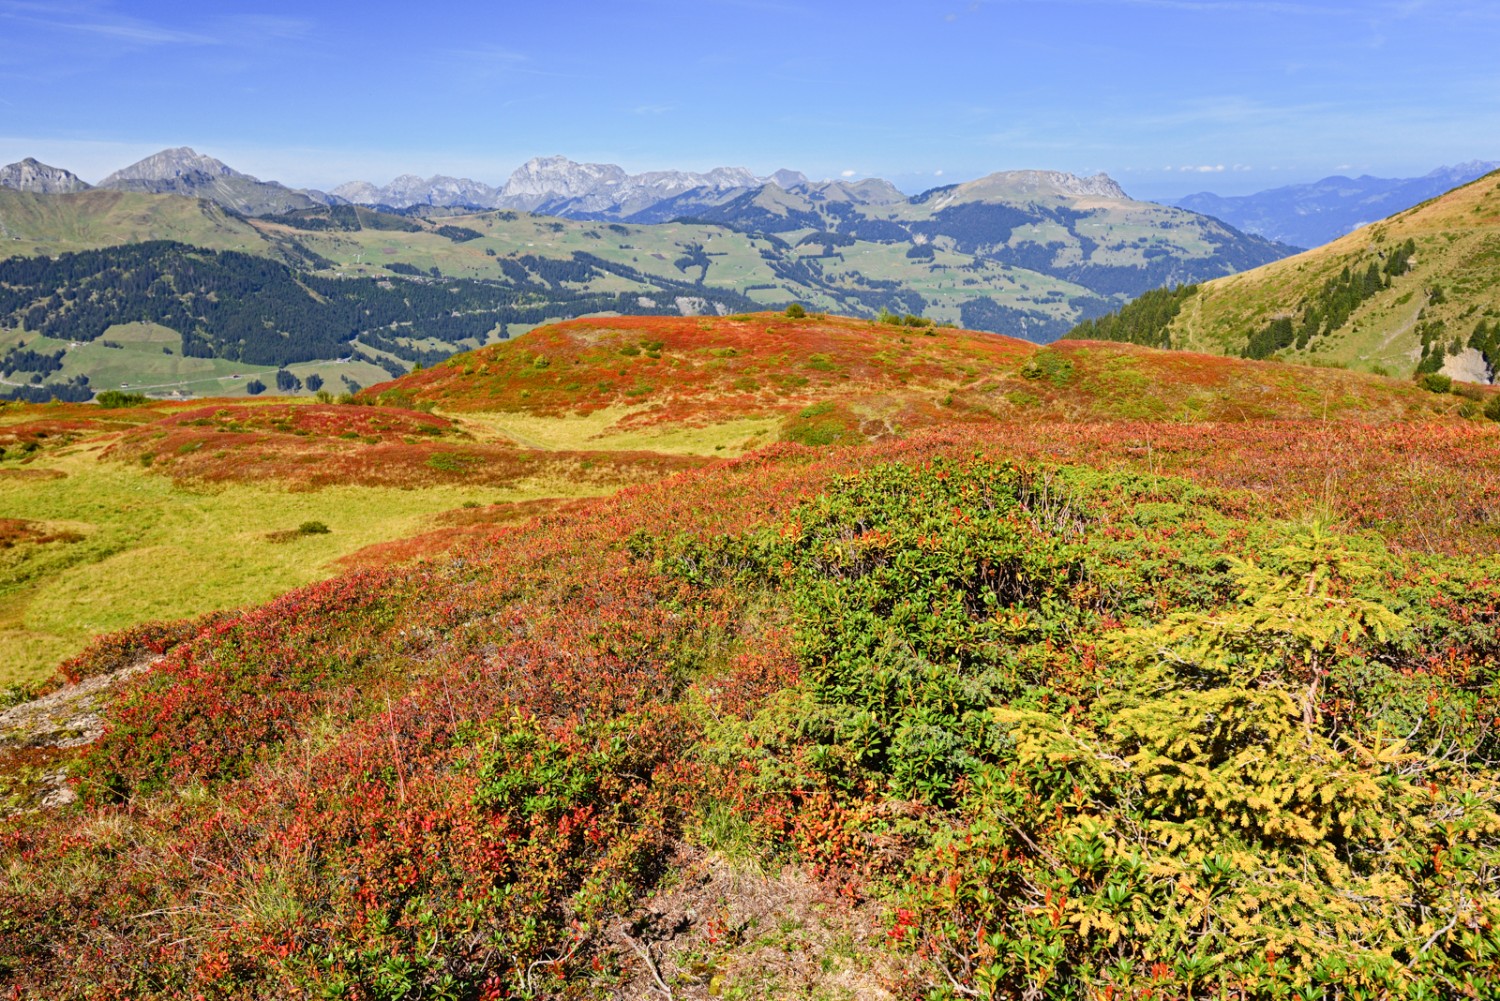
95	21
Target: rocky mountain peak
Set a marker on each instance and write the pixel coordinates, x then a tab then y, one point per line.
180	161
40	178
559	177
358	192
1041	183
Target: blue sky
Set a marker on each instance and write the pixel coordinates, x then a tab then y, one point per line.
1168	96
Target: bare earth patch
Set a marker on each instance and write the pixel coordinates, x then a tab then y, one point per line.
726	931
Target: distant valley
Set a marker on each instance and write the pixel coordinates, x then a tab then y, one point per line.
126	285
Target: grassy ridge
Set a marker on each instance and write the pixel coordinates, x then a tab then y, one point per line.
1446	288
670	371
32	225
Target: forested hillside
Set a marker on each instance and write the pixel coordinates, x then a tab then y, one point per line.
251	309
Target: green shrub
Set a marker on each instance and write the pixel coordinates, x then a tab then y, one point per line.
1048	365
452	462
15	695
1102	768
113	399
1435	382
312	528
796	311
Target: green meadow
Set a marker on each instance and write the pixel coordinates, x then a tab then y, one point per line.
146	547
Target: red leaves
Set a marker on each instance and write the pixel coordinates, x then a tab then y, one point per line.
326	830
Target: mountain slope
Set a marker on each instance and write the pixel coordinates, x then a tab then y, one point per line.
1024	253
52	224
1085	231
578	409
1310	215
1418	290
519	270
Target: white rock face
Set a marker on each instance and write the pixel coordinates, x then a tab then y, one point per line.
358	192
409	189
557	177
557	184
184	171
1468	366
40	179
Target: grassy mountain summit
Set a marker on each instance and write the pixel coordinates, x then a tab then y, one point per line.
1415	291
674	372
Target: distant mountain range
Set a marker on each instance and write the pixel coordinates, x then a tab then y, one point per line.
1310	215
1298	215
455	263
179	171
555	185
1086	243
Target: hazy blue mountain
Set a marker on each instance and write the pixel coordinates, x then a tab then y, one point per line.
1310	215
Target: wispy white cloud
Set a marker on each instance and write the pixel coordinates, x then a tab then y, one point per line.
100	21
